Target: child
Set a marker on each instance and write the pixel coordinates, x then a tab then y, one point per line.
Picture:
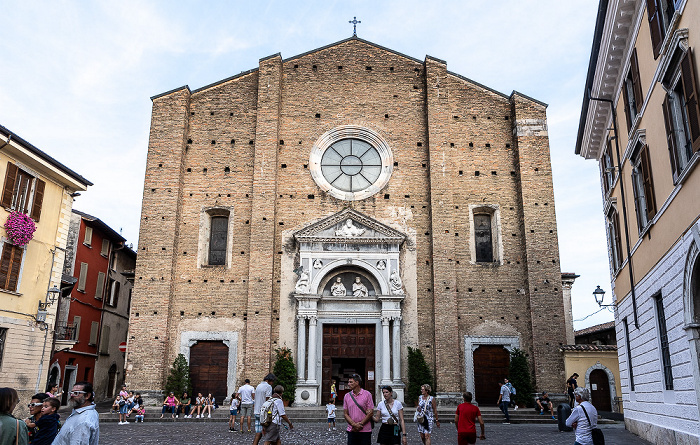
233	411
115	405
130	403
333	393
47	425
140	412
330	409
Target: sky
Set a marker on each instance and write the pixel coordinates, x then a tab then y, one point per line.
76	79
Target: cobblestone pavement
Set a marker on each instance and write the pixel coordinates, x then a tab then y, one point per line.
192	433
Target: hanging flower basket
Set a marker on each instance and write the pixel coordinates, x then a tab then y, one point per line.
20	228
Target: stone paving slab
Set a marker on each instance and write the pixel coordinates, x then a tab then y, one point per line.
192	433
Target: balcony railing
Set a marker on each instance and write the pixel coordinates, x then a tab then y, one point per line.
65	332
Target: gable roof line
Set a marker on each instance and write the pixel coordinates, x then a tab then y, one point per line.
340	42
528	98
452	73
219	82
170	92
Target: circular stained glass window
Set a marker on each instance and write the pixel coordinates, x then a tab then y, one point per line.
351	165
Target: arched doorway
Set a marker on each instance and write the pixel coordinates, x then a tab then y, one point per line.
209	368
491	364
600	390
112	380
53	376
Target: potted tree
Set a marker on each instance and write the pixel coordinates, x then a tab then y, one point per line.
286	373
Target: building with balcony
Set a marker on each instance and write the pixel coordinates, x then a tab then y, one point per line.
94	319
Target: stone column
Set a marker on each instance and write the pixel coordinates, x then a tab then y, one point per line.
396	350
386	357
312	350
301	347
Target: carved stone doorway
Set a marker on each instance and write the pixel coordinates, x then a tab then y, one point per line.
209	368
347	349
600	390
491	364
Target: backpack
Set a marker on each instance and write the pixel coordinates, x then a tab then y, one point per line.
267	412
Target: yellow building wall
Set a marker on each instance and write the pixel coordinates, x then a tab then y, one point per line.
580	362
684	208
28	346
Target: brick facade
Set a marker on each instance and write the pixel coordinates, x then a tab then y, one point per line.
244	144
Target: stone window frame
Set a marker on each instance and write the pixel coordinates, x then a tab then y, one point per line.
205	217
351	132
494	210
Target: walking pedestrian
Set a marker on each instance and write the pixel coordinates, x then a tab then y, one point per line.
583	418
571	386
262	392
512	390
82	427
12	430
465	421
428	407
247	394
358	409
504	400
271	433
330	411
390	413
233	411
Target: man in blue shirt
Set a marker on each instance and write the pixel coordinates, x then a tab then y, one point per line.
82	427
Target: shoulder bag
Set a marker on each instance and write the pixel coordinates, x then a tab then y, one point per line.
371	419
596	433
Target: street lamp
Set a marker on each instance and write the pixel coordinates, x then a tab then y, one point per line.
599	295
42	312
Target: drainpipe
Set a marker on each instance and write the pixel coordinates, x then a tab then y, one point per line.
624	203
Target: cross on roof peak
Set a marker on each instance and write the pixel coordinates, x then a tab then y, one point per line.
354	22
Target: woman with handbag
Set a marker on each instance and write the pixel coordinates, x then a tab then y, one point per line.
12	431
390	412
427	410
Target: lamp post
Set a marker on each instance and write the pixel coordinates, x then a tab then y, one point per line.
42	312
599	295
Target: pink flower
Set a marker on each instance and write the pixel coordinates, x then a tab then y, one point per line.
20	228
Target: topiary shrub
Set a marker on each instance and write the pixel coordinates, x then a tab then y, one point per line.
286	373
521	378
418	374
179	378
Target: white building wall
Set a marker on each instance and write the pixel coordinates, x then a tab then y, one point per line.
660	415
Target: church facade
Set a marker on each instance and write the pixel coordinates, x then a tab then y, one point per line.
347	203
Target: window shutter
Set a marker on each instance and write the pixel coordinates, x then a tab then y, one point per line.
9	189
618	238
628	112
690	94
114	297
648	182
38	199
100	285
655	25
94	330
105	247
76	328
10	264
83	276
636	81
670	137
88	236
104	340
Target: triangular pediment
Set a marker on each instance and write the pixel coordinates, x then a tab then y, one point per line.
349	226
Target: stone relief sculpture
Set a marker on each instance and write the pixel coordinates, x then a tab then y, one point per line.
318	264
358	289
349	230
381	265
338	289
302	286
395	281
